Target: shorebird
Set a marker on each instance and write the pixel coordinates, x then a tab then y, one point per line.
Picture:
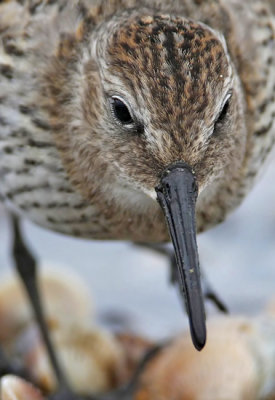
119	117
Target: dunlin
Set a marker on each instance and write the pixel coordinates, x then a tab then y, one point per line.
111	109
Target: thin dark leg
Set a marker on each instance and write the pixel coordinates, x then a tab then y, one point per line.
127	392
211	295
26	267
7	368
208	291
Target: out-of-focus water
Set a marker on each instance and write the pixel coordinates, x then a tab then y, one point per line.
238	258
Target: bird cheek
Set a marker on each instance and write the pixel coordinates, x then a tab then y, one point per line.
151	193
205	173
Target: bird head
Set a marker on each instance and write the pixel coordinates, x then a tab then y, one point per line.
155	108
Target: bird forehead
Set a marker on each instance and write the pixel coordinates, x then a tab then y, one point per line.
163	56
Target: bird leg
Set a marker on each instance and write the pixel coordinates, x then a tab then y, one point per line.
7	368
27	269
208	292
127	392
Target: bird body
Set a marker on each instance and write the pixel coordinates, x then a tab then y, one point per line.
66	165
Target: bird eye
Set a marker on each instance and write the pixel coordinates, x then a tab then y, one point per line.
121	111
223	112
222	116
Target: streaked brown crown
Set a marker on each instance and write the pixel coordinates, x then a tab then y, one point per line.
180	67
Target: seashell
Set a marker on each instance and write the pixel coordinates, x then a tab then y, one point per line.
93	359
237	363
14	388
65	297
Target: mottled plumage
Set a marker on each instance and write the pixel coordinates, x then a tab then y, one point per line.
66	163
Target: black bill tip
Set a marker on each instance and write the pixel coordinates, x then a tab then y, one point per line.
198	331
177	194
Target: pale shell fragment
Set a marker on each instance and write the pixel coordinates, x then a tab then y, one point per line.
93	359
65	298
14	388
237	363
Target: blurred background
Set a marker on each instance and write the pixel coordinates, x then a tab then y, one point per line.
130	285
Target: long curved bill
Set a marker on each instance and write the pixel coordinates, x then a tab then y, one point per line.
177	194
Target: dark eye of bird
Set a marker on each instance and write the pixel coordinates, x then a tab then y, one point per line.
221	117
223	113
121	111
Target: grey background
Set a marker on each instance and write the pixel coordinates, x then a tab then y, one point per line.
132	283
